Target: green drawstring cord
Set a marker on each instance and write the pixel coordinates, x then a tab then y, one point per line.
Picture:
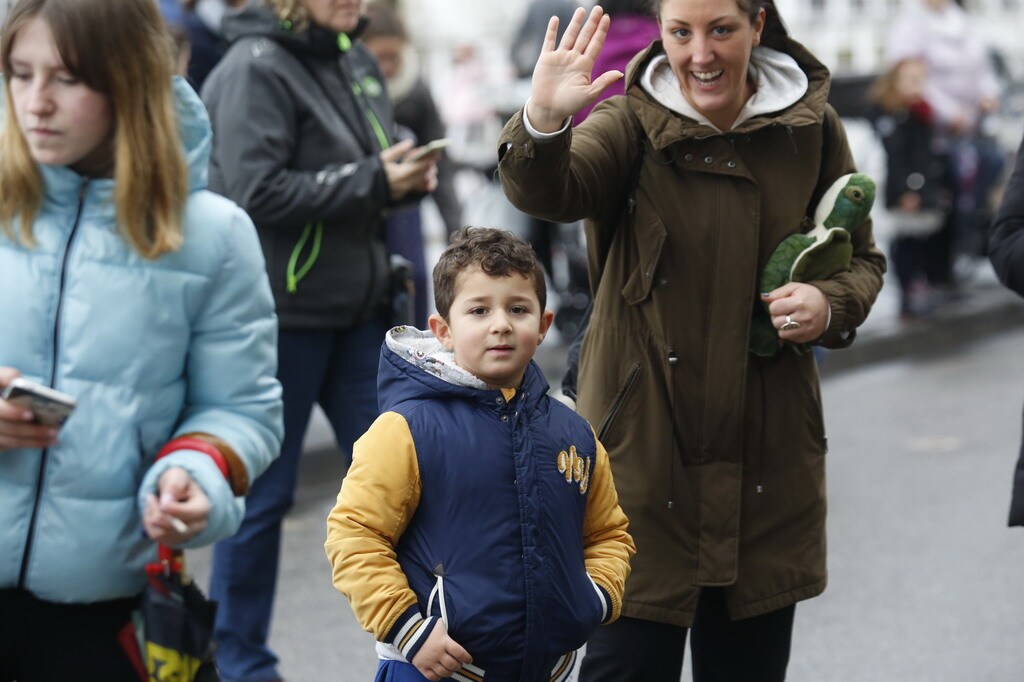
378	129
293	278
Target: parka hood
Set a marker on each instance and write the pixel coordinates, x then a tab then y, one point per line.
195	132
666	126
258	19
415	366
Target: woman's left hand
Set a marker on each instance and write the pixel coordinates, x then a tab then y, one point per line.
799	312
179	510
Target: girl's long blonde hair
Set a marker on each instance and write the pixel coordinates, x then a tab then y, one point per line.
121	49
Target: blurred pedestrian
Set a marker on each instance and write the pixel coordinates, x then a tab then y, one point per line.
917	192
529	35
962	89
457	570
1006	250
303	142
196	27
415	110
143	296
633	28
722	144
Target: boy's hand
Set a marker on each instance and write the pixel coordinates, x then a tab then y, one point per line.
440	655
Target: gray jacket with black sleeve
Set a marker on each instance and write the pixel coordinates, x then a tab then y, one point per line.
299	120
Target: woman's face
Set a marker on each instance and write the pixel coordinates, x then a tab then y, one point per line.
341	16
64	121
708	43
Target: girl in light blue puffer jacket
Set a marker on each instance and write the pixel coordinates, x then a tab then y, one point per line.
129	286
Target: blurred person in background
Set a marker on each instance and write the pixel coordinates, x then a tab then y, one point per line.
416	111
304	142
962	90
196	25
529	36
1006	251
144	296
917	192
633	28
548	239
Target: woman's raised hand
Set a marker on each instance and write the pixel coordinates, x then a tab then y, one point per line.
562	82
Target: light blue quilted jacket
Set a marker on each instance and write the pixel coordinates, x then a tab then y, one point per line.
150	349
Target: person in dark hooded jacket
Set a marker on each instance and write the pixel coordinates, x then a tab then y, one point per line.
303	141
1006	251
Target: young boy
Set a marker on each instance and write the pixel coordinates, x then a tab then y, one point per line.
478	532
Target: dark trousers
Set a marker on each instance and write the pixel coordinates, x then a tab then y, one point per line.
42	641
336	369
750	650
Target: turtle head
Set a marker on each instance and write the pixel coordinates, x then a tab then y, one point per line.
847	202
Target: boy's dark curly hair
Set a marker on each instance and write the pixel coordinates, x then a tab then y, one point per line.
497	252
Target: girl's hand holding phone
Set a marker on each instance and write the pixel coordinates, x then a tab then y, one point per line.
18	428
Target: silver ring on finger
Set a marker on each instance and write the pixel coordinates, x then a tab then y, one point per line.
789	324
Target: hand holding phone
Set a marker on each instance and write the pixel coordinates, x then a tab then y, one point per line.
428	149
50	407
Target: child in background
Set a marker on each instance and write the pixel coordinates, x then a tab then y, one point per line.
917	193
478	531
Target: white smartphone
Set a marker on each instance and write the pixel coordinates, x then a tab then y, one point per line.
51	407
428	149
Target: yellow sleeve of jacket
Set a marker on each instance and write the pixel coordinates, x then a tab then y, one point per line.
378	497
607	545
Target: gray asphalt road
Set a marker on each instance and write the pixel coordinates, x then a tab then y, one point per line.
925	578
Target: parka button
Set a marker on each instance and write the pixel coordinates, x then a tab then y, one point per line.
673	359
731	164
688	157
504	417
708	159
499	400
663	282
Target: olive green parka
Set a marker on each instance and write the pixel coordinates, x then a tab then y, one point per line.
718	455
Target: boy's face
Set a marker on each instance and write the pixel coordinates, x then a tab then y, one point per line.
494	326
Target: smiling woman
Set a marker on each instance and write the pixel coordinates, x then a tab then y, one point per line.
714	155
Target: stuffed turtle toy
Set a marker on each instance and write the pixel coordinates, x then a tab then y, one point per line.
818	254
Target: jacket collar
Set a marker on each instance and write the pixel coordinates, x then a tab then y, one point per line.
414	365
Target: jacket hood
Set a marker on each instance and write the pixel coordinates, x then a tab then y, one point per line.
415	366
259	20
771	65
195	132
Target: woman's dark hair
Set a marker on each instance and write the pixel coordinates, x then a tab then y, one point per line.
774	28
615	8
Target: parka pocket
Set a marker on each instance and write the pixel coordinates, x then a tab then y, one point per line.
620	399
650	237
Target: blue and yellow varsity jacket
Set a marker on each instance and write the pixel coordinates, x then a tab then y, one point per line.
493	510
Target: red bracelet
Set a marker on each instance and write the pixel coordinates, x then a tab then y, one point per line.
199	445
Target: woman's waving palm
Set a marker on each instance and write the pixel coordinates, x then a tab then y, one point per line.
562	82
